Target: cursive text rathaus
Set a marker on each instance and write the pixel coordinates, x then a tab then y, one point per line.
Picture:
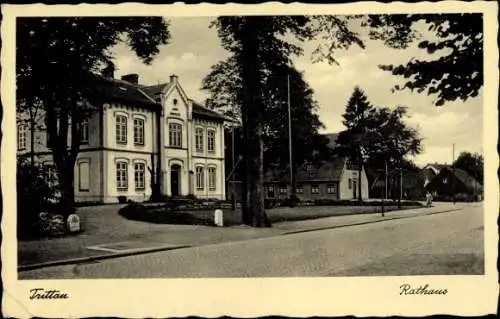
41	293
407	289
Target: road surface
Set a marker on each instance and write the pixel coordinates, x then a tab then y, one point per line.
449	243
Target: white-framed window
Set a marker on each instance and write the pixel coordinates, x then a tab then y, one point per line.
211	140
331	189
212	178
199	139
314	189
122	175
84	131
283	190
121	129
299	190
21	137
138	131
83	176
139	175
200	178
175	135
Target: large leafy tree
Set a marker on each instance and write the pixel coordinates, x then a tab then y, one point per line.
453	42
280	84
359	122
255	42
392	141
55	63
472	163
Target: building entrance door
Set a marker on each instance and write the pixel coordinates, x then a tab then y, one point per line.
354	189
175	180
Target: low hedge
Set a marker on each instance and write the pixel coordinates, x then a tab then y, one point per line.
163	215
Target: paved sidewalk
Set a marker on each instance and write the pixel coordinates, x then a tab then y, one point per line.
104	241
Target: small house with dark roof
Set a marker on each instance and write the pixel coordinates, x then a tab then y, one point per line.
139	138
432	170
335	179
456	182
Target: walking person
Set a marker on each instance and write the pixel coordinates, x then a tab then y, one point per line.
428	198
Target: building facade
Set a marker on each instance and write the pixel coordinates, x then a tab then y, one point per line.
141	136
336	179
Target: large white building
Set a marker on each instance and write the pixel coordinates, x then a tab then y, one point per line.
139	133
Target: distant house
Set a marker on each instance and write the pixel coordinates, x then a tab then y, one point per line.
336	178
413	181
456	181
432	170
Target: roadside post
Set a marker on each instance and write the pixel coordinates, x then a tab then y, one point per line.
219	218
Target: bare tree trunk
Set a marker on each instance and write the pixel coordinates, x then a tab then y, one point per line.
253	108
246	217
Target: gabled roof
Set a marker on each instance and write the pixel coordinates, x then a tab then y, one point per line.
328	172
199	110
436	167
153	90
202	111
122	91
462	175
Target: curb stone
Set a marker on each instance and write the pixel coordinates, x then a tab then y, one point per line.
364	223
98	257
82	260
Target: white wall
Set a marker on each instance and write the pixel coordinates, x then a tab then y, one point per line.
345	192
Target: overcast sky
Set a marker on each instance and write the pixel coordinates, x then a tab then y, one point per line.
194	48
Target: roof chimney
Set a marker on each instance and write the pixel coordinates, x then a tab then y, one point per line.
173	78
132	78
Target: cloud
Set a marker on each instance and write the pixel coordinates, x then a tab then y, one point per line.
188	56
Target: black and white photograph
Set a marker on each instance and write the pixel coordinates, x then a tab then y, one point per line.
290	154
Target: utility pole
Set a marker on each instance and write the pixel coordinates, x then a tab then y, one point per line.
233	193
290	138
401	183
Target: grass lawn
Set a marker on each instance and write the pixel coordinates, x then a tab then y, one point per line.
275	215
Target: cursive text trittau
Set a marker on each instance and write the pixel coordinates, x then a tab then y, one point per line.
41	293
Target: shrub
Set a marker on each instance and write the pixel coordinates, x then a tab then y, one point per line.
122	199
270	203
165	215
34	195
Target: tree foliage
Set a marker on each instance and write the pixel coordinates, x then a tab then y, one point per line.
354	141
453	42
472	163
455	45
56	59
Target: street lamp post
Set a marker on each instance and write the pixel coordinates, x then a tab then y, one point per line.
385	186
